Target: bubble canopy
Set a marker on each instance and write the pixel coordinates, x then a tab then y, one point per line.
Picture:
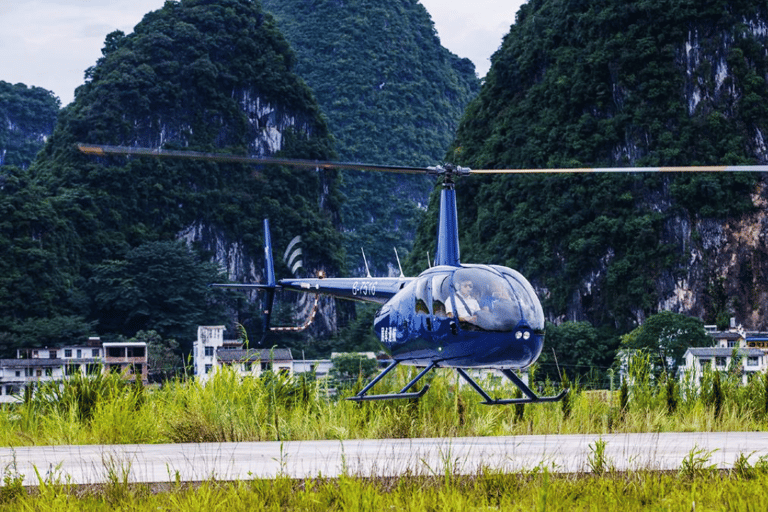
486	298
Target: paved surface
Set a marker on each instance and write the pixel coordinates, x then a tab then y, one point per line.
388	457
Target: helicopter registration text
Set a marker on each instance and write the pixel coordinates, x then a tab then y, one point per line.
365	288
388	334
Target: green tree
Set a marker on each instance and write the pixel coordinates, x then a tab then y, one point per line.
666	336
27	118
578	349
392	95
349	368
158	286
164	356
595	83
197	74
40	300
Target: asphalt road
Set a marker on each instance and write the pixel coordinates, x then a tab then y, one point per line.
387	457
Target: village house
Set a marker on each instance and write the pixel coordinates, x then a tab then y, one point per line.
749	361
35	365
211	352
750	349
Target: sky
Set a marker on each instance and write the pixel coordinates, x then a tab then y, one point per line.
50	43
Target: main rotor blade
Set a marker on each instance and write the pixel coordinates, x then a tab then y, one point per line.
696	168
101	150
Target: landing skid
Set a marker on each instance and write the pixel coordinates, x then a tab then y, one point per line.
403	393
532	397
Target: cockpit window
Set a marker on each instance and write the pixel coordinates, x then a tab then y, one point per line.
483	300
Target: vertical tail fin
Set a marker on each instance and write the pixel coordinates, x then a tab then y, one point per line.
269	271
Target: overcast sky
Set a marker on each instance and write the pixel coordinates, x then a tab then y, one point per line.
50	43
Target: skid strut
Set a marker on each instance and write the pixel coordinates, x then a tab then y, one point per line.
531	396
361	396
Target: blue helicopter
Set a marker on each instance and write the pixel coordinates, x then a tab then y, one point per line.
452	315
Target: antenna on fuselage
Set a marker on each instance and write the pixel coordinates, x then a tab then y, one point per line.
398	263
367	271
429	263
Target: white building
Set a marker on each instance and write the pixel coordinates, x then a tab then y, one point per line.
35	365
752	360
211	352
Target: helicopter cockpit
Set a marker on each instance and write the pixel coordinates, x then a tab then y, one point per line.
485	298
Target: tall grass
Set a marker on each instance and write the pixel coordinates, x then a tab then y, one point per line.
106	409
695	487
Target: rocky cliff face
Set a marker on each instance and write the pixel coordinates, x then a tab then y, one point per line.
722	270
727	273
610	83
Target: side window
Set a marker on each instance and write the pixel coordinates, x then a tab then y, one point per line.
441	289
422	297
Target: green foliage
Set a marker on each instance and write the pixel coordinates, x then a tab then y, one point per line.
80	394
198	74
579	349
27	117
623	397
164	357
671	393
597	460
13	483
534	489
716	396
230	407
40	301
161	286
358	336
697	464
351	368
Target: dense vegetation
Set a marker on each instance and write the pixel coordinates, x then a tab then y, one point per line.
87	243
230	408
392	95
672	82
27	117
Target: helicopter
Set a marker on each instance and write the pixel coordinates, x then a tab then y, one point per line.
452	315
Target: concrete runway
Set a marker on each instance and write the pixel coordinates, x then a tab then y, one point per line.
387	457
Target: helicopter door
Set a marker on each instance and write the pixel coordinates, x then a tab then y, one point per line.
423	303
441	295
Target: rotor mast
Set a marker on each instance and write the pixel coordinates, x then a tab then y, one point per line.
448	252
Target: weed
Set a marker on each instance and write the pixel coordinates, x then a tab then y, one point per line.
596	460
13	483
696	464
118	488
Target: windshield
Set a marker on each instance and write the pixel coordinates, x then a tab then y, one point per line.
485	300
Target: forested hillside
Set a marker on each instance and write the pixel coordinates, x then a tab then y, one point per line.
91	244
27	117
392	95
613	83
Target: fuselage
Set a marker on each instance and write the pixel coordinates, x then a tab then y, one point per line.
464	316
